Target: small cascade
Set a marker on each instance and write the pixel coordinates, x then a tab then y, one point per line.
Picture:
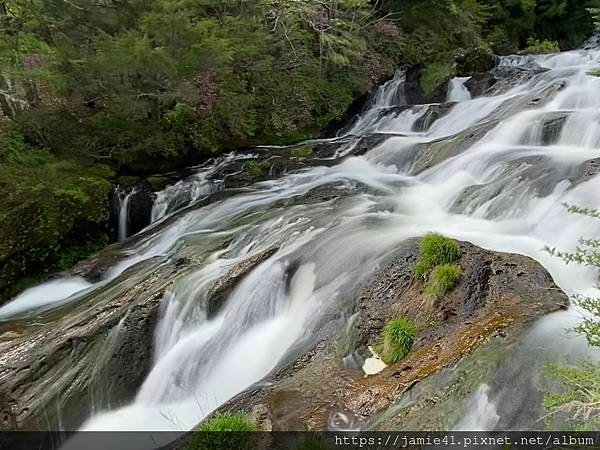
192	189
181	194
391	93
124	198
457	91
481	412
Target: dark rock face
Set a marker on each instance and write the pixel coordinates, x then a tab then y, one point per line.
413	91
434	112
474	61
140	207
497	294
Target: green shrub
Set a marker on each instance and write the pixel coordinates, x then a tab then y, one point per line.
224	431
302	152
442	280
537	47
435	250
594	73
398	338
433	75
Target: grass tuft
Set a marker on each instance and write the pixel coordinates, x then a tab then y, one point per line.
398	338
443	279
224	431
435	250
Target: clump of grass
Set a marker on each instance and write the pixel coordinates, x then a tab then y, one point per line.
224	431
302	152
443	279
435	250
398	338
594	73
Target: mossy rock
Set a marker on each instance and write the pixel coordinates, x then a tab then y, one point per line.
159	183
474	61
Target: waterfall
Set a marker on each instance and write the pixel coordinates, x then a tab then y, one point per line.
457	91
192	189
495	171
123	204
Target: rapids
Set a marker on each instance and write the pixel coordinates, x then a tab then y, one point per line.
494	170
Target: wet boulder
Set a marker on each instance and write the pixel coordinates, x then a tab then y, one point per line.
140	207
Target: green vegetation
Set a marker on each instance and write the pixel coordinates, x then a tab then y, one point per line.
312	443
537	47
224	431
302	152
255	169
443	279
594	73
435	250
52	212
138	87
577	404
433	75
398	337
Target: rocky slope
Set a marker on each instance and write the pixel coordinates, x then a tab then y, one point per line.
325	389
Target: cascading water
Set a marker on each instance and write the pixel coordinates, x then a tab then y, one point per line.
124	197
192	189
492	170
457	91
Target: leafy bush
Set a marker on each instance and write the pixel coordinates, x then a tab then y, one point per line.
433	75
537	47
442	280
578	402
398	338
435	249
53	211
224	431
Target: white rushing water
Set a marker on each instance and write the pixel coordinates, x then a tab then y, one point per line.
51	293
495	171
457	91
124	198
